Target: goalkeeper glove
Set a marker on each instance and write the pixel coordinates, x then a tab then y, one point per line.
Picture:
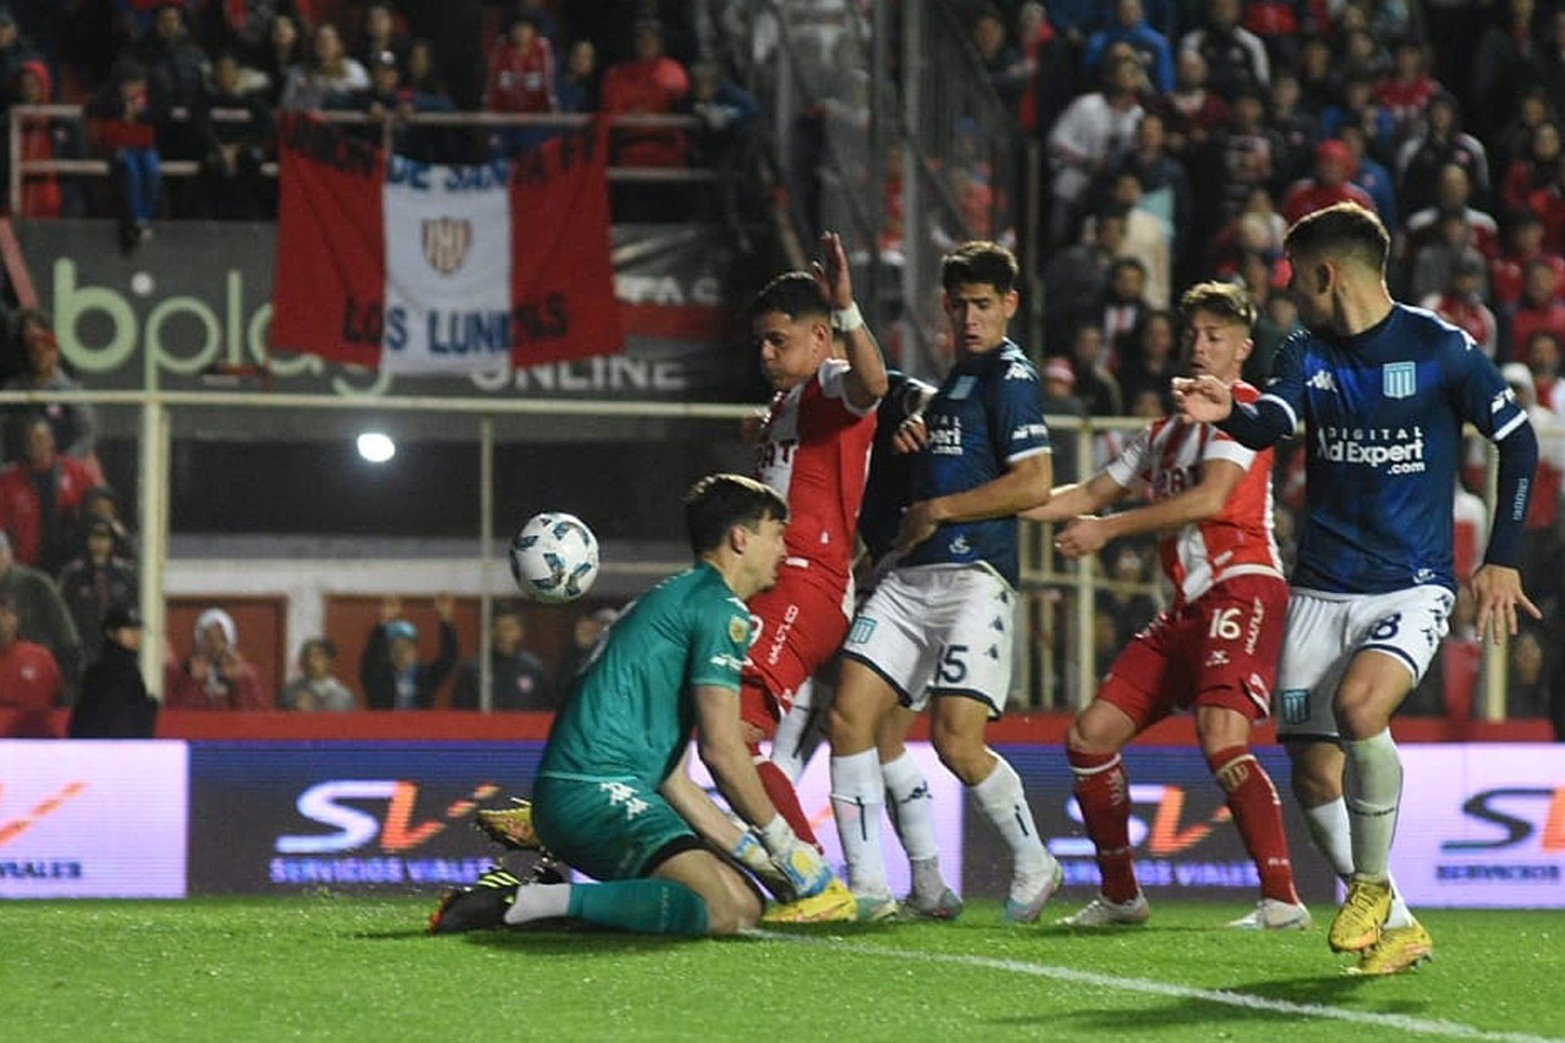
795	859
751	854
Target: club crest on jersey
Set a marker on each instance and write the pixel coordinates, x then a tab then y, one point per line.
739	630
446	241
1399	379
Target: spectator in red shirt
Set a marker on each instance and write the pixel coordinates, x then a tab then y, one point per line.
216	676
1536	171
124	129
521	80
39	496
29	679
1334	167
1461	304
1539	311
40	193
1506	273
650	84
1406	92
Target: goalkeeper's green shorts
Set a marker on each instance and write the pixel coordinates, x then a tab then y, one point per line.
610	829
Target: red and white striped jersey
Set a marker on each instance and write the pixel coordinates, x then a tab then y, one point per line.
1237	541
814	450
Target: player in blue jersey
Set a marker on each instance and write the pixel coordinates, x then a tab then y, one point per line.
939	627
1382	391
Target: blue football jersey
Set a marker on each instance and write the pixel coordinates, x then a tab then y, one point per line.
889	487
987	415
1383	414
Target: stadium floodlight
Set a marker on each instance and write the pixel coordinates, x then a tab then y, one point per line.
376	447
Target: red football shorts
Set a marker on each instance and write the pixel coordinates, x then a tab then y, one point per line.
801	626
1219	650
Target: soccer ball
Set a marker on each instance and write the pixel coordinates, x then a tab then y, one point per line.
554	558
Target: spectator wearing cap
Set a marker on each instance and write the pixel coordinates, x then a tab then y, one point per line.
96	581
1442	143
215	676
390	670
650	84
1332	184
41	611
317	687
518	678
1461	303
39	497
75	424
29	678
114	703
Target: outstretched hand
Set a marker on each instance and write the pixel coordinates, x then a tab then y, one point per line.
1203	399
1498	590
832	273
1081	536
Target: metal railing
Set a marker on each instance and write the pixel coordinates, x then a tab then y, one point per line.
392	123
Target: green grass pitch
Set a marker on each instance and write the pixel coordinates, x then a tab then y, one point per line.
333	968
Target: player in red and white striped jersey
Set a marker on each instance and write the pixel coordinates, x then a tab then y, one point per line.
813	448
1215	649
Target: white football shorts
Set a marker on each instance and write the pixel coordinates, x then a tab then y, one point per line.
943	630
1325	631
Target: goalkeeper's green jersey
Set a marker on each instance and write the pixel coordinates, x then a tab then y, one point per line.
632	710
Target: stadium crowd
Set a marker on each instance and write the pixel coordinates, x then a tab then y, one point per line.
1273	107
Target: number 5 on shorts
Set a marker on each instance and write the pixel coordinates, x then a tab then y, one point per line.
953	665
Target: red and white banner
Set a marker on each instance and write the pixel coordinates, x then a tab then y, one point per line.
416	268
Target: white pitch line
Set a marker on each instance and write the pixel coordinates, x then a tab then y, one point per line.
1423	1026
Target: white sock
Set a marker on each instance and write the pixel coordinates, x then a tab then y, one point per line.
795	741
912	807
857	795
1329	829
1001	798
1372	785
539	902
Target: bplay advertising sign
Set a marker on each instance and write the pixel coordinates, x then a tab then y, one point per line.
92	819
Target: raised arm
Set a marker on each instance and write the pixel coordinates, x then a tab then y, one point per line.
866	381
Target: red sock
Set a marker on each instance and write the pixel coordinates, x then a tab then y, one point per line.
1103	791
782	794
1258	814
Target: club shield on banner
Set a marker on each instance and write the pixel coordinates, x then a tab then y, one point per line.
416	268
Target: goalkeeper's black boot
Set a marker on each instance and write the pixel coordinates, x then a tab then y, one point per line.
481	907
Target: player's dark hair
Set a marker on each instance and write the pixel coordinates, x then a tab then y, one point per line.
718	502
1340	231
795	294
1226	299
980	262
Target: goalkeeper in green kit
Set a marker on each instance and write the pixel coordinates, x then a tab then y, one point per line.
613	798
